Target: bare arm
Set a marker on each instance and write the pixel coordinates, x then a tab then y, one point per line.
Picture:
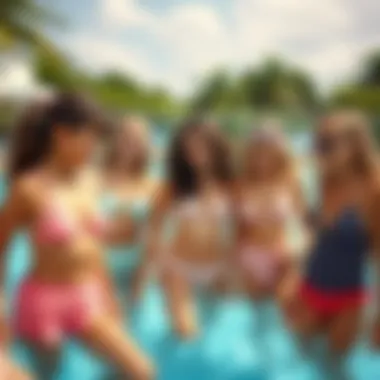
374	218
303	224
374	223
300	240
234	279
120	229
154	230
178	294
13	215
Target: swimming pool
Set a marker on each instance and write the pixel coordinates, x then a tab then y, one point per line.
238	340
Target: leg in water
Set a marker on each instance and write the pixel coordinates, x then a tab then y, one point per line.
343	332
45	359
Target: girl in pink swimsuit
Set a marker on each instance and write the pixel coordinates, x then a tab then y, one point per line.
267	201
53	197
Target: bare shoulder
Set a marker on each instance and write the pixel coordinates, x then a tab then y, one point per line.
93	180
28	187
164	188
163	194
153	185
25	194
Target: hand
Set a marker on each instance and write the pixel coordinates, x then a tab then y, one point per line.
187	329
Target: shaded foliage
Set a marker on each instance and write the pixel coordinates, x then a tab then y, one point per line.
364	91
370	75
271	85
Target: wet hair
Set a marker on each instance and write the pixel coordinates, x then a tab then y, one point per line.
357	130
140	160
273	137
182	176
33	134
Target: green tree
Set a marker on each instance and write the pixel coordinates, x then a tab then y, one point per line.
274	85
53	69
364	92
21	22
21	25
370	75
216	92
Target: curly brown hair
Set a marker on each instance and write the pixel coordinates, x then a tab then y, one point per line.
32	136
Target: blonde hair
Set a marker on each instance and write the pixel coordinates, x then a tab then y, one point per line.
273	135
356	124
128	123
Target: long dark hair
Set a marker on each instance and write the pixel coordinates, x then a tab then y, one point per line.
33	133
182	176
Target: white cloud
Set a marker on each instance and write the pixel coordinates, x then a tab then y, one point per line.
194	38
102	55
194	34
123	13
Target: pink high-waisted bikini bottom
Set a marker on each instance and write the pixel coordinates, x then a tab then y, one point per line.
48	312
262	264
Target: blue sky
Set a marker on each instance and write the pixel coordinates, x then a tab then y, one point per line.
176	42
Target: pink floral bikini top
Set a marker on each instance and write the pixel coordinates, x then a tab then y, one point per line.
55	226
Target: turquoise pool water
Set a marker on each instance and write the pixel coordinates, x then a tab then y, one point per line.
238	340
